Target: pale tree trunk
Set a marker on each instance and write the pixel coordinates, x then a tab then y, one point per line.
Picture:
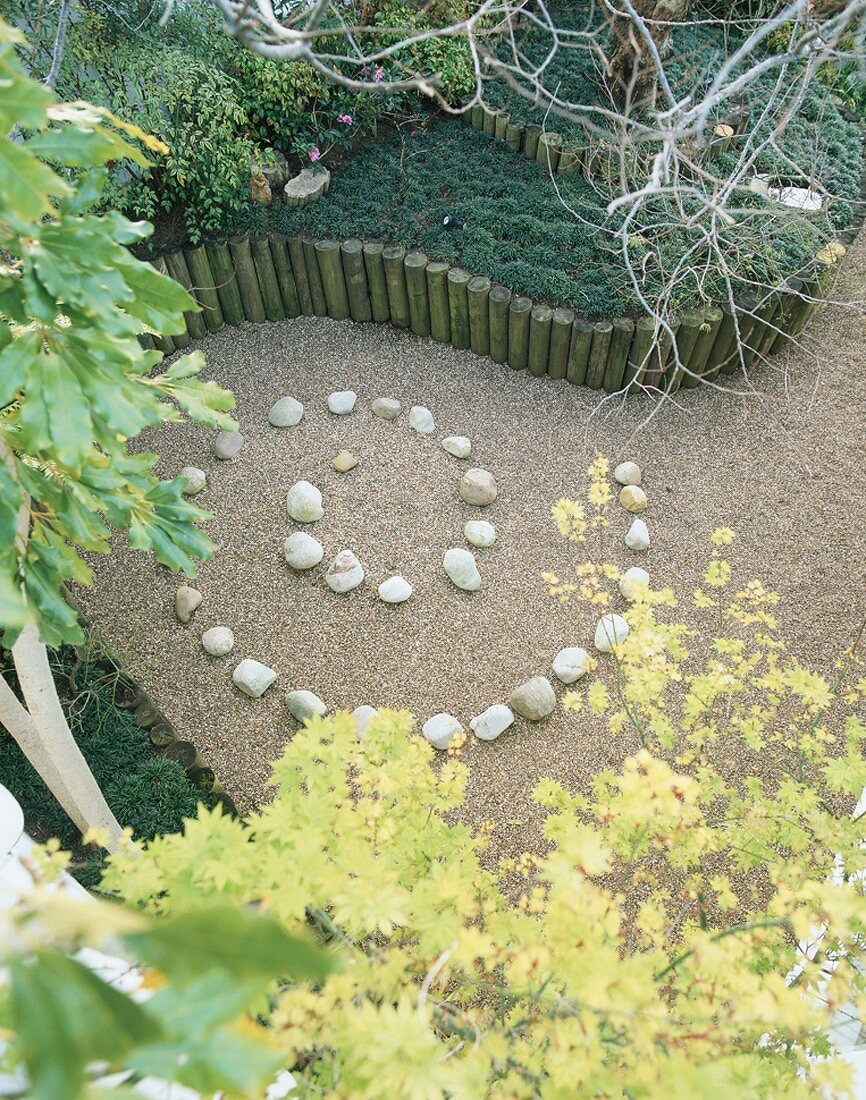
41	730
632	75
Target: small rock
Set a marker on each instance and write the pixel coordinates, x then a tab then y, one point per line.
490	723
253	678
304	705
227	445
186	600
395	590
631	580
195	479
386	407
570	664
612	630
460	566
637	536
303	551
457	445
344	572
363	716
633	498
342	402
535	699
479	532
286	413
344	461
441	729
478	487
421	419
218	641
304	502
627	473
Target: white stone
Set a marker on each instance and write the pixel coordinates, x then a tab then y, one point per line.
612	630
227	445
253	678
633	498
303	551
304	502
637	536
344	572
460	566
479	532
631	580
421	419
363	716
195	479
627	473
286	413
570	664
388	408
395	590
186	600
218	641
800	198
478	487
457	445
535	699
490	723
304	705
441	729
341	402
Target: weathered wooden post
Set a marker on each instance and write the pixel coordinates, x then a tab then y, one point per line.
267	276
458	306
178	270
499	301
639	352
578	354
198	266
518	332
376	280
333	279
560	342
314	274
711	321
302	279
355	275
225	284
248	281
602	332
617	357
285	278
395	278
478	290
437	294
538	353
415	265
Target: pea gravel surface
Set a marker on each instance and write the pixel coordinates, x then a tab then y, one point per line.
783	469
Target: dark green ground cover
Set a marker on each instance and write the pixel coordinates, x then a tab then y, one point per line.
148	793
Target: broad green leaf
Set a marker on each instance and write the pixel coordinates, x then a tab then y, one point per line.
66	1017
14	361
26	183
154	299
214	998
22	102
74	146
223	1061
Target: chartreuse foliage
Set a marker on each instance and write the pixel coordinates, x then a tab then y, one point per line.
645	953
75	384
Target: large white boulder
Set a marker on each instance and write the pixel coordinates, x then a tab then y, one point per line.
421	419
286	413
186	600
478	487
534	700
253	678
612	630
218	641
633	498
344	573
631	580
460	566
395	590
492	722
387	408
363	716
304	705
570	664
227	445
304	502
195	479
342	402
628	473
441	729
303	551
478	532
457	445
637	536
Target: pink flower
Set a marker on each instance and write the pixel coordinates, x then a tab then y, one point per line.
314	154
378	74
345	118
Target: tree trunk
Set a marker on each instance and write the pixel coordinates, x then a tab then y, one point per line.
631	72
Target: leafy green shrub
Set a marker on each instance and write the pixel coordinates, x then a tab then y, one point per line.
152	799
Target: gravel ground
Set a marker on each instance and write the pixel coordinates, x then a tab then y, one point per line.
785	470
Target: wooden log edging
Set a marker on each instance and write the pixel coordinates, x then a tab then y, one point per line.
269	278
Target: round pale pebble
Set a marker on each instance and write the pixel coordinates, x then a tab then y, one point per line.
304	502
457	445
460	566
492	722
637	536
534	700
631	580
478	532
304	705
441	729
627	473
303	551
186	600
386	408
218	641
344	573
421	419
570	664
612	630
227	445
363	716
478	487
633	498
286	413
341	402
395	590
253	678
344	461
195	479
